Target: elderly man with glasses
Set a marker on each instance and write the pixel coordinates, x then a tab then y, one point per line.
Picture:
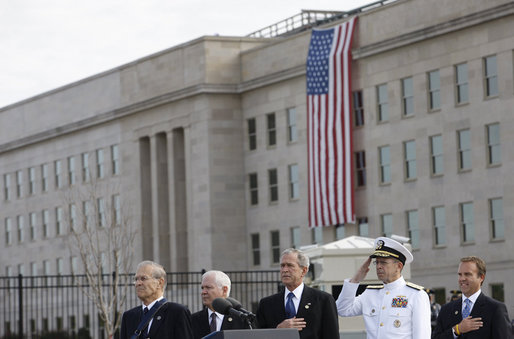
156	317
397	309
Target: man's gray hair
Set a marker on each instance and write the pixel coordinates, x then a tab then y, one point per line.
220	278
158	271
303	260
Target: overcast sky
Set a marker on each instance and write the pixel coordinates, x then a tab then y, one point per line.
45	44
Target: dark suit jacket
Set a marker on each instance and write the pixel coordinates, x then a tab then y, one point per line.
318	308
201	323
493	313
171	321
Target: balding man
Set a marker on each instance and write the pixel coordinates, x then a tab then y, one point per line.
156	317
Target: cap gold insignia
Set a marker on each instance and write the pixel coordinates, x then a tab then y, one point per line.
397	323
307	306
380	243
229	318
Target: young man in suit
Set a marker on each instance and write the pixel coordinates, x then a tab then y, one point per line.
171	320
311	311
215	284
475	315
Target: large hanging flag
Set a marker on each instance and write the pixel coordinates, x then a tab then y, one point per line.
329	126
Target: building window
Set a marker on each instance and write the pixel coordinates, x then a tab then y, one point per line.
101	211
271	129
115	160
294	182
496	219
490	76
74	264
33	269
256	249
32	180
439	223
339	232
254	189
385	164
7	186
296	240
363	226
409	153
467	222
19	221
99	163
360	168
86	212
434	91
386	222
33	225
498	292
382	103
461	83
58	173
292	129
44	225
116	209
44	177
19	183
252	134
436	155
71	171
275	247
358	108
317	235
493	144
85	167
58	221
407	97
413	228
8	231
72	210
464	140
273	185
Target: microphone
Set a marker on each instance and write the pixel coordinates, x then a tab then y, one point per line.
237	305
223	306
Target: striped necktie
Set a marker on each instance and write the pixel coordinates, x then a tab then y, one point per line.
467	309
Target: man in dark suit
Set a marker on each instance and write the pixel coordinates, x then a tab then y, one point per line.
474	315
215	284
312	312
171	320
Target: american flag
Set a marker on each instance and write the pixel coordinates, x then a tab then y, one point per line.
329	126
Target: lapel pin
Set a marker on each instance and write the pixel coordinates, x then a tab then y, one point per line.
229	318
456	312
307	306
158	317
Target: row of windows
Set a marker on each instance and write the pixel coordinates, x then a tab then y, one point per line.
466	223
40	229
464	157
438	224
271	129
293	185
30	175
43	268
461	86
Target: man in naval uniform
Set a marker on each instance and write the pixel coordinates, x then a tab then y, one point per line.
396	309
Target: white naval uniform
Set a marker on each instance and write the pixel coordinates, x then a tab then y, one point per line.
395	310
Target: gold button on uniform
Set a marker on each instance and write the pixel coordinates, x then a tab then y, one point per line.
383	307
381	324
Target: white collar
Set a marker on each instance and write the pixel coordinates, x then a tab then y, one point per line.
472	297
297	292
152	303
400	282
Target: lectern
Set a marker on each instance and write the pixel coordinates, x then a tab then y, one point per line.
273	333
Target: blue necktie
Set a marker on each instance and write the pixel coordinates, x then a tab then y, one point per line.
467	309
290	311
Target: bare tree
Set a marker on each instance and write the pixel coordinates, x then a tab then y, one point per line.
102	235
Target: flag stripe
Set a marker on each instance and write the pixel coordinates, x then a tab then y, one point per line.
329	126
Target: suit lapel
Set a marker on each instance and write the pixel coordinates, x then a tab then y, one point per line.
305	301
157	321
478	306
205	323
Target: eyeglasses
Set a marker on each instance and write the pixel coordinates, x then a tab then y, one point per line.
142	278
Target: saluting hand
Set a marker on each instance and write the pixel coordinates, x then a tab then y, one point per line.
362	272
298	323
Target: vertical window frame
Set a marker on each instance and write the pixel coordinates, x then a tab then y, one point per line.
439	225
490	66
384	164
493	146
461	84
496	219
253	188
252	133
434	91
358	108
292	126
273	185
407	85
467	222
382	103
464	150
271	130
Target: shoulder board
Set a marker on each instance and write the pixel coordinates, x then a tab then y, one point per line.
375	287
414	286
